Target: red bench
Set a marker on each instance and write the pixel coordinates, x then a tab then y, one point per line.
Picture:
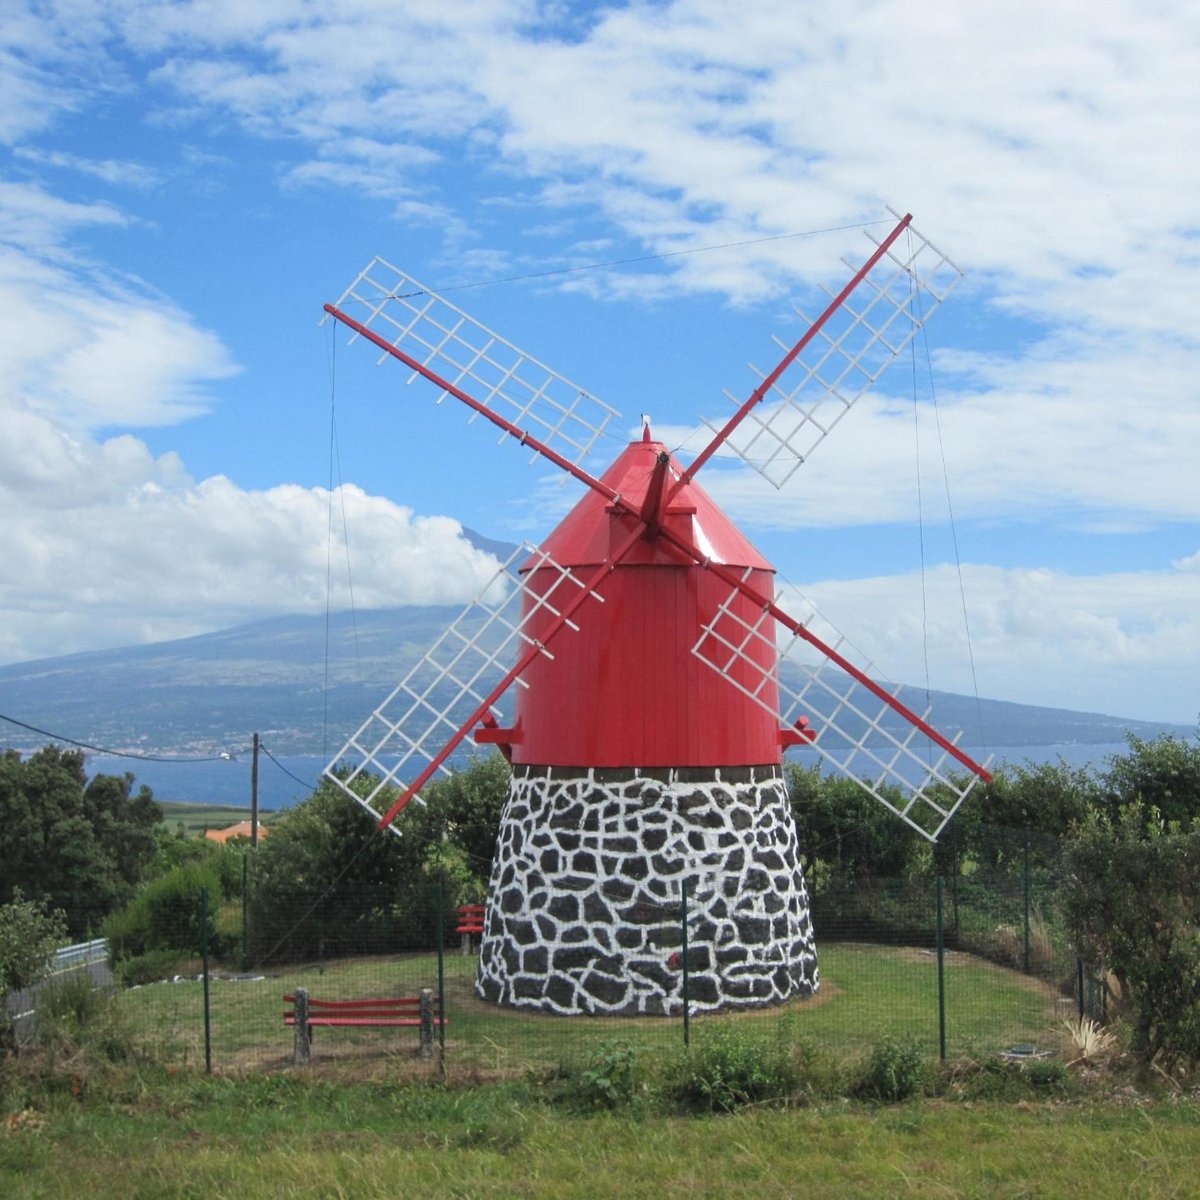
470	922
414	1012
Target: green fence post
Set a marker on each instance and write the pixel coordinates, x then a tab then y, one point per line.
204	957
245	911
1025	888
1079	984
941	964
441	974
683	892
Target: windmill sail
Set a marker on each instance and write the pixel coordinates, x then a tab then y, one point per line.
849	351
436	338
854	720
453	686
860	726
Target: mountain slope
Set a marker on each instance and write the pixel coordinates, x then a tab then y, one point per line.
304	682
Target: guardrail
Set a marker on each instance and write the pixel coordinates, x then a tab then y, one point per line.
80	955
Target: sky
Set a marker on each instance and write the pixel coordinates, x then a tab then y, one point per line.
636	194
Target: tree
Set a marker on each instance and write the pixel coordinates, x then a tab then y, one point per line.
328	882
82	846
29	936
1163	773
1132	902
845	829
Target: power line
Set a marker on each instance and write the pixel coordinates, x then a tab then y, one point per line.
60	737
312	787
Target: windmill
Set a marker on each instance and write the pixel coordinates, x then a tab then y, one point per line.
658	679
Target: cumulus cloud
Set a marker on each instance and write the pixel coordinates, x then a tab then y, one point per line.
1032	632
107	544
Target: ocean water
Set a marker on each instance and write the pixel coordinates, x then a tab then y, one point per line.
288	779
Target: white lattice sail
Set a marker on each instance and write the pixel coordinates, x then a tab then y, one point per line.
449	684
849	726
860	340
461	351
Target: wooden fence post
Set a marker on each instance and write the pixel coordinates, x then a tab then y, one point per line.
302	1044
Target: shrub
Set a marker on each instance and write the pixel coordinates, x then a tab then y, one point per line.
153	966
895	1071
77	1021
610	1078
1005	1079
166	916
730	1068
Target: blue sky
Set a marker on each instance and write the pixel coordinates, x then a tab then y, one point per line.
182	186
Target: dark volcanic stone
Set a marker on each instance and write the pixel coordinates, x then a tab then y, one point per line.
656	972
753	931
636	867
654	839
560	991
522	932
573	959
604	988
564	908
525	988
535	960
595	911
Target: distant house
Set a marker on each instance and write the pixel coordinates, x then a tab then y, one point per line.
241	829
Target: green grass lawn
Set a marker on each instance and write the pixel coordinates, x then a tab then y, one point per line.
369	1120
867	992
298	1137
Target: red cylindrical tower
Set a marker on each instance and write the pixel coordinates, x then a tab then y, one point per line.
625	690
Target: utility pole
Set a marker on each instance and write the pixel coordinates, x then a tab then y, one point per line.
254	797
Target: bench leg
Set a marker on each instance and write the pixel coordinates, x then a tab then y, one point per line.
302	1041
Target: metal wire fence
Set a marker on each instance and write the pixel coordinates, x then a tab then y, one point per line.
968	964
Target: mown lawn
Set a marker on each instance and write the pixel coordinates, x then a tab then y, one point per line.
867	992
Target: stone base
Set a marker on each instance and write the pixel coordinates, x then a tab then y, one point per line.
586	898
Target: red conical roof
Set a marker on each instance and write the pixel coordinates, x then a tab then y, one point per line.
584	536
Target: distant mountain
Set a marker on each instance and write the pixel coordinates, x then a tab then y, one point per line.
303	684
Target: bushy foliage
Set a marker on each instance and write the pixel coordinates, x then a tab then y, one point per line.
608	1079
1133	905
81	845
729	1067
895	1070
327	882
29	935
1163	774
165	921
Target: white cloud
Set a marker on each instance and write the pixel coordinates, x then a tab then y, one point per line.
1036	635
106	545
120	172
1049	147
91	351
